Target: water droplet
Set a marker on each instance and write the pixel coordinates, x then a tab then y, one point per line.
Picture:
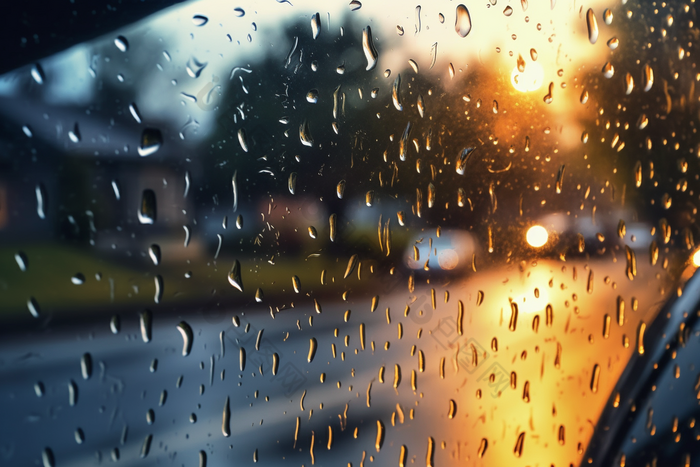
115	324
560	178
243	139
452	410
146	446
154	253
418	19
369	49
226	419
561	435
146	325
584	98
608	70
234	276
121	43
275	363
462	159
592	24
37	73
396	93
606	326
595	376
312	96
648	77
404	142
79	436
72	393
33	307
305	134
631	263
352	262
620	311
22	260
234	186
519	443
312	349
402	456
642	121
640	337
508	11
483	445
355	5
47	458
589	283
433	55
548	98
613	43
86	366
41	200
340	189
608	16
187	337
78	279
199	20
239	12
292	182
115	188
369	198
74	134
315	25
135	112
429	452
513	323
151	141
194	67
147	211
332	224
379	440
629	84
463	22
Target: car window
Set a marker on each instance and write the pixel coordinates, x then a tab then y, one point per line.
352	233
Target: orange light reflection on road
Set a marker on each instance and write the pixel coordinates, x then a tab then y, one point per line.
551	355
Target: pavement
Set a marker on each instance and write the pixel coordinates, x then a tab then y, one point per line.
337	400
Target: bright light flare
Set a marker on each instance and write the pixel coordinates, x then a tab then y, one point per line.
537	236
696	259
530	79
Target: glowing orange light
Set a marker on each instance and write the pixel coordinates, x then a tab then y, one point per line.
537	236
696	259
530	79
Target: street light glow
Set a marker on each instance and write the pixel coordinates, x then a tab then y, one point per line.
696	259
530	79
537	236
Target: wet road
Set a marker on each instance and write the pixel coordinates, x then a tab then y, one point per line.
414	370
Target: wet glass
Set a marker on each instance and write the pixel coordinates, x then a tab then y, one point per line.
361	233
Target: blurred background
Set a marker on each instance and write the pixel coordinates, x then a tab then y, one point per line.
368	232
